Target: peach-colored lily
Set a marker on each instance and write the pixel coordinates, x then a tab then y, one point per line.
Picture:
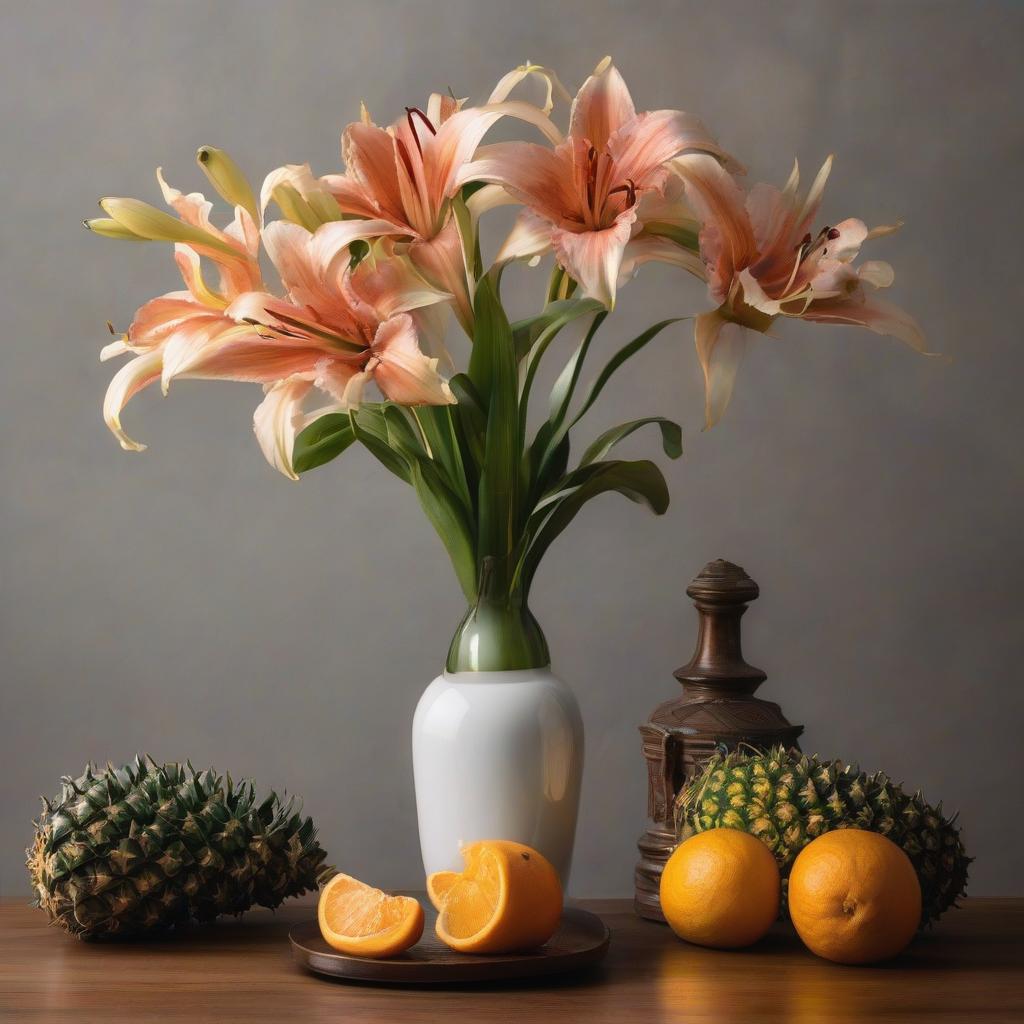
337	330
167	329
408	173
585	197
762	261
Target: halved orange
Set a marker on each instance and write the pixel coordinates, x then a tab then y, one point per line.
359	920
438	885
507	900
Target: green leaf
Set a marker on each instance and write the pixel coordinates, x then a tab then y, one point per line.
447	516
471	416
641	482
437	424
496	379
323	440
624	353
686	237
562	391
526	332
671	438
371	430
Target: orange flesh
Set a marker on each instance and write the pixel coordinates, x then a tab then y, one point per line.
355	918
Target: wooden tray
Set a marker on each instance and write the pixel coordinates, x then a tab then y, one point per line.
581	940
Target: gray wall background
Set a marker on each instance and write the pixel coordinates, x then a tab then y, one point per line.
191	603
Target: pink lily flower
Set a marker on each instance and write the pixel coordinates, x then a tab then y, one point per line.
407	174
166	329
584	198
762	261
337	330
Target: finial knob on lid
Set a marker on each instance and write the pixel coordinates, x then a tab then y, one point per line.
721	593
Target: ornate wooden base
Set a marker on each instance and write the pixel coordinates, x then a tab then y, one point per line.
716	707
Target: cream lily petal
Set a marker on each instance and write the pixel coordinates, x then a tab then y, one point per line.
645	248
876	273
884	229
401	370
114	349
721	345
509	81
602	106
845	239
490	197
529	238
135	375
278	420
809	210
594	258
191	268
352	396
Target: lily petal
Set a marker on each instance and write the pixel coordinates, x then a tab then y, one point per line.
402	372
721	345
529	238
278	420
509	81
602	106
727	238
135	375
594	258
860	310
644	144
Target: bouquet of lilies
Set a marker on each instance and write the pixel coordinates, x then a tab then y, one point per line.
372	261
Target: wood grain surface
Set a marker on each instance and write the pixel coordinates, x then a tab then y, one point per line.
970	968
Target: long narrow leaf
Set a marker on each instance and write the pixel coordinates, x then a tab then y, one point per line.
371	431
671	438
438	427
447	516
565	385
526	332
624	353
497	501
323	440
641	482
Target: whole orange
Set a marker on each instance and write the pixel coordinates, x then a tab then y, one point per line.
854	897
721	888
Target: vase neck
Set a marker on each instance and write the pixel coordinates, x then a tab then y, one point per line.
497	635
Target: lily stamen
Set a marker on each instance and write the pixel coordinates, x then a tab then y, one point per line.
410	113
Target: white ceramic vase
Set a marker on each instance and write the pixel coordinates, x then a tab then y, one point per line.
497	755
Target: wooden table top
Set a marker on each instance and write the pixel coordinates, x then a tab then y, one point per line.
969	968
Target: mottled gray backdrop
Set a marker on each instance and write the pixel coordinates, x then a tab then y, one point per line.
192	603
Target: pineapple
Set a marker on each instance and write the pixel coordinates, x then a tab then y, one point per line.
786	799
147	846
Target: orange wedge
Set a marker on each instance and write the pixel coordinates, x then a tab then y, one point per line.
438	885
359	920
507	900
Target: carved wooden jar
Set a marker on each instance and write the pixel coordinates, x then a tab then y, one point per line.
716	706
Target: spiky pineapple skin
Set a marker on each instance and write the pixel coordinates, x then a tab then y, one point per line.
144	847
787	799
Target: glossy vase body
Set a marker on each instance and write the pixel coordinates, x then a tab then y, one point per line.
497	755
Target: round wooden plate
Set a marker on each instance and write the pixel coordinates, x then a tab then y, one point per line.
581	940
